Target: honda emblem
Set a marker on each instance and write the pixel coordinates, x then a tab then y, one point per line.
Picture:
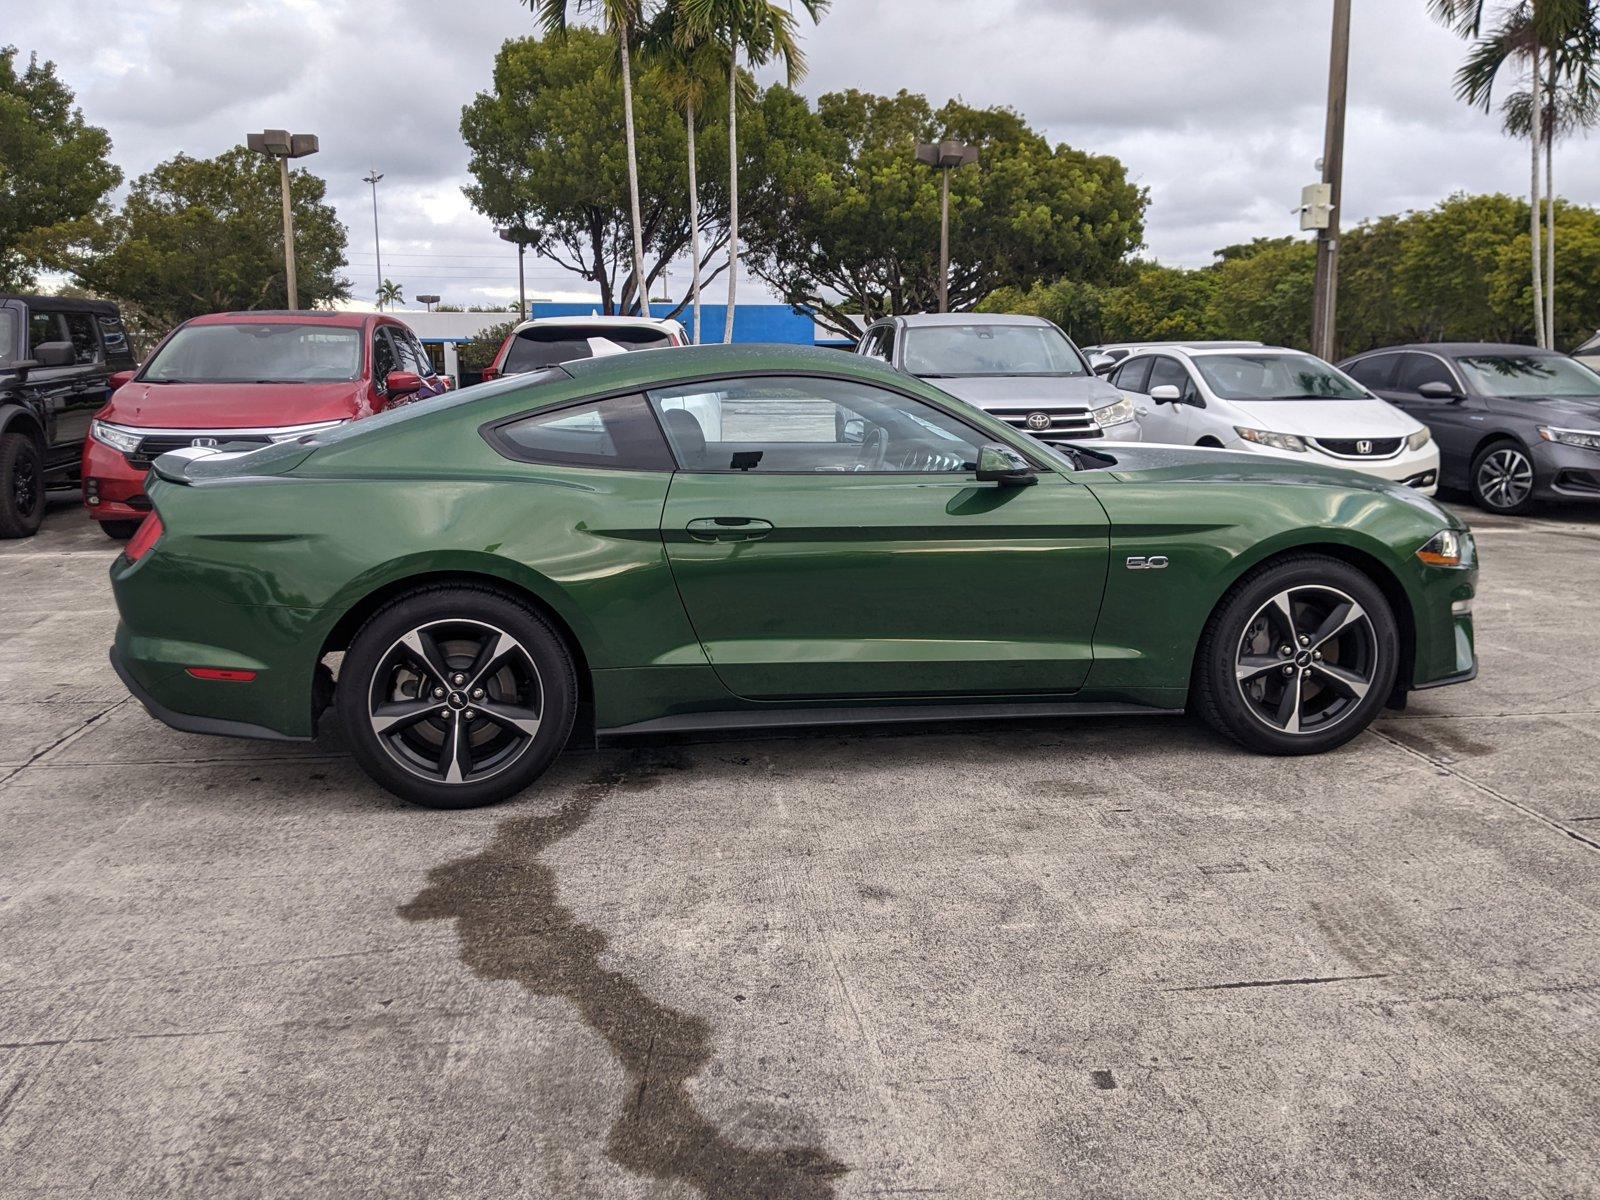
1363	447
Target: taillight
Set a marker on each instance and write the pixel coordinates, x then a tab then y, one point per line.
148	534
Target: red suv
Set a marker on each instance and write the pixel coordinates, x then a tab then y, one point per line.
240	379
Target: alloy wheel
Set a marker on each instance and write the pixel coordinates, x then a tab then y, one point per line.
1505	478
1307	659
456	701
25	492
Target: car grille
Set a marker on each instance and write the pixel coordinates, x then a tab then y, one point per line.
154	446
1360	447
1064	423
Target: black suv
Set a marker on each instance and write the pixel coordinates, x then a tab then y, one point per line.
57	357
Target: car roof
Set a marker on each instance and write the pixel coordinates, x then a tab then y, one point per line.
107	307
1201	349
1460	349
640	368
662	323
344	320
1182	345
919	320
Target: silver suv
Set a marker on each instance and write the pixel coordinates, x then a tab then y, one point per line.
1023	370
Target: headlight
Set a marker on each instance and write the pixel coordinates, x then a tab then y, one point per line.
1114	414
123	440
1419	439
1588	439
288	435
1447	548
1278	441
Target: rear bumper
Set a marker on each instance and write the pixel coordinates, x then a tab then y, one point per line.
188	722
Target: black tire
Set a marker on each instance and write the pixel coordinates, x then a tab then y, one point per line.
1503	479
453	626
1247	631
21	486
120	530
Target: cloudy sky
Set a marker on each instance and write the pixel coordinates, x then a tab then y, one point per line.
1215	105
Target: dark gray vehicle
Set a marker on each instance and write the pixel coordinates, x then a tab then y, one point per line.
1516	425
1023	370
57	357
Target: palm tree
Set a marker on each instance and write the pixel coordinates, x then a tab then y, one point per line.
622	19
687	65
390	292
763	32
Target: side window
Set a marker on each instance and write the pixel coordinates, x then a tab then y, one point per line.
425	363
1418	369
620	433
1169	372
804	425
44	327
1375	372
878	342
384	359
85	341
1132	376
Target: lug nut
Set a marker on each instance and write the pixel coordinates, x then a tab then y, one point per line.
477	693
1316	656
469	714
1284	651
1288	670
438	693
463	678
1304	640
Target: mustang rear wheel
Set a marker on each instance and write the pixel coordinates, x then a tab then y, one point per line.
456	696
1298	657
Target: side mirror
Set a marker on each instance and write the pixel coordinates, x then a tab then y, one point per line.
1437	390
1101	364
119	379
854	432
402	383
54	354
1003	465
1166	393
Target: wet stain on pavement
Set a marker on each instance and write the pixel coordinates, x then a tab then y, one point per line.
1436	740
512	926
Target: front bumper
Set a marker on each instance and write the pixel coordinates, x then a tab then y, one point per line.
1565	472
1417	469
113	489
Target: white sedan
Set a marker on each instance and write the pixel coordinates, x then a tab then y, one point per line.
1275	401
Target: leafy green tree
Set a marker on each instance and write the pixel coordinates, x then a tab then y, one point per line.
53	167
478	351
857	228
1265	296
199	235
622	20
763	32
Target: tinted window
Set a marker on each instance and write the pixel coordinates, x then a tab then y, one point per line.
1418	369
10	330
1169	372
44	327
384	358
801	425
268	352
85	341
1375	372
548	345
1132	376
619	433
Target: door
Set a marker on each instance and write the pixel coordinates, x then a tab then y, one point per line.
90	388
835	543
1456	421
52	392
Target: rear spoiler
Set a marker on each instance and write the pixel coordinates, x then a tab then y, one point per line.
205	464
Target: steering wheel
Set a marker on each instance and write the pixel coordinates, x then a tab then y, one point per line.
874	448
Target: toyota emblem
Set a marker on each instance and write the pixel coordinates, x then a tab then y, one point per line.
1363	447
1038	421
204	442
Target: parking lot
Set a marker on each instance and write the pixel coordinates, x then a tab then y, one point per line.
1103	958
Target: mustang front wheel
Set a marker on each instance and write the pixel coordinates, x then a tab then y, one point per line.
456	697
1298	657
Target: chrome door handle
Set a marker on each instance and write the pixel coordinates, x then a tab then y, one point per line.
728	529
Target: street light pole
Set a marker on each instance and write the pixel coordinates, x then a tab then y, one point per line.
282	145
1324	320
377	246
945	157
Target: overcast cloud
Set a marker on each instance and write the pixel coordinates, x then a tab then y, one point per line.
1215	105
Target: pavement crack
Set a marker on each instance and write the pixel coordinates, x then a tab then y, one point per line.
1493	793
512	926
70	735
1260	983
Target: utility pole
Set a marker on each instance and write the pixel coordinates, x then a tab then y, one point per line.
520	236
945	157
1324	319
377	246
282	145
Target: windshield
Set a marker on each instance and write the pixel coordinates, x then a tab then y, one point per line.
264	353
941	351
1275	377
9	328
549	345
1513	376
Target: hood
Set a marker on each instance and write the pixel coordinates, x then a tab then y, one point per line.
1555	409
1328	418
233	405
980	391
1156	463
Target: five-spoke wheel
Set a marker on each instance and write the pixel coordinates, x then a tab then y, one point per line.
456	697
1298	657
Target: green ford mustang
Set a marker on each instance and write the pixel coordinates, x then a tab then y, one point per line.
751	537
